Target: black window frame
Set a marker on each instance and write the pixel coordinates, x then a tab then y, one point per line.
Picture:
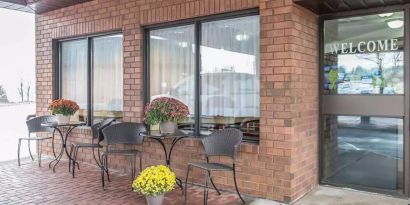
57	44
197	23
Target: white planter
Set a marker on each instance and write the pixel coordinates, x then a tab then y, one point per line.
155	200
168	127
62	119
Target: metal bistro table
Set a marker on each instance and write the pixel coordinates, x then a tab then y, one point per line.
161	137
70	126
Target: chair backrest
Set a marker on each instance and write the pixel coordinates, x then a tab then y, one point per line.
34	124
30	116
124	133
96	129
223	142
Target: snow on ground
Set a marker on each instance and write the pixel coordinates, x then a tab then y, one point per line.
13	126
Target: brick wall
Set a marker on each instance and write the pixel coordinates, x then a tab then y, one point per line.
284	165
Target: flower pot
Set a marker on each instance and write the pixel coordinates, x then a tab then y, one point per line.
154	127
155	200
168	127
62	119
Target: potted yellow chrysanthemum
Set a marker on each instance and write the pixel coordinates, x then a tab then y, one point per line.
154	182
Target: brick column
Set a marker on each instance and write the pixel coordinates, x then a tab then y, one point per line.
289	97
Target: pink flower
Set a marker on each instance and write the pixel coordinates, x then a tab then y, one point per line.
165	109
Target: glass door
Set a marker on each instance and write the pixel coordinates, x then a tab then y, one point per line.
363	101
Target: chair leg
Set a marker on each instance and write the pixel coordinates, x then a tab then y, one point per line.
140	162
106	167
101	163
132	165
213	184
102	174
38	142
29	149
74	159
71	154
97	161
18	152
186	183
206	190
236	185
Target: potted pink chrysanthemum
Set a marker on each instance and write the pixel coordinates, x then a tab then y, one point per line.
166	112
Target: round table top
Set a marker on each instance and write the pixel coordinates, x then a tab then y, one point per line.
55	124
158	134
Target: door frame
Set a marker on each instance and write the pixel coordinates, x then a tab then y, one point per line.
406	66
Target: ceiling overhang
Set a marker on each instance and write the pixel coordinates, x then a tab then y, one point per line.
38	6
332	6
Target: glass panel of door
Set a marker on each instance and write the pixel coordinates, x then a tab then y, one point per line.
362	143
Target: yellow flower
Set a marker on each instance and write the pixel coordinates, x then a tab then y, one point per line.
154	180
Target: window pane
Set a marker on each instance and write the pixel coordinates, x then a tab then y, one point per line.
108	77
172	66
364	54
363	151
74	74
230	75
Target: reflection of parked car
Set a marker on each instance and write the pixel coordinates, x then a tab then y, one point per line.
222	94
228	99
388	90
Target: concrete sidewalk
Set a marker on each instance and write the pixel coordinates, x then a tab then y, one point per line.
324	195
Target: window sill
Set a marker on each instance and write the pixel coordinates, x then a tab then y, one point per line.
247	146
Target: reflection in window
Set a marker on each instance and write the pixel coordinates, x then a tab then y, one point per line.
229	72
364	55
108	85
74	73
230	75
172	65
363	151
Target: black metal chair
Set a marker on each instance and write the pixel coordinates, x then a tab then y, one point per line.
125	133
34	126
97	137
220	143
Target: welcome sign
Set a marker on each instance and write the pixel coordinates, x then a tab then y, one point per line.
364	46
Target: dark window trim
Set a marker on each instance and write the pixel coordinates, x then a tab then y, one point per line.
364	12
215	17
90	35
406	141
197	23
90	77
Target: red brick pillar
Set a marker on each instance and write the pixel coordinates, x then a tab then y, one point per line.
289	97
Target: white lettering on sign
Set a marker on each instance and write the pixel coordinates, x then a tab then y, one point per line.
362	46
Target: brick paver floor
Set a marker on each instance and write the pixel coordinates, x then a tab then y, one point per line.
30	184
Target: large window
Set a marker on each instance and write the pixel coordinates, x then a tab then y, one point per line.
74	73
91	74
219	80
172	65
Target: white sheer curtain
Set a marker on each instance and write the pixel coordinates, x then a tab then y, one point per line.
230	70
108	76
74	71
172	64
